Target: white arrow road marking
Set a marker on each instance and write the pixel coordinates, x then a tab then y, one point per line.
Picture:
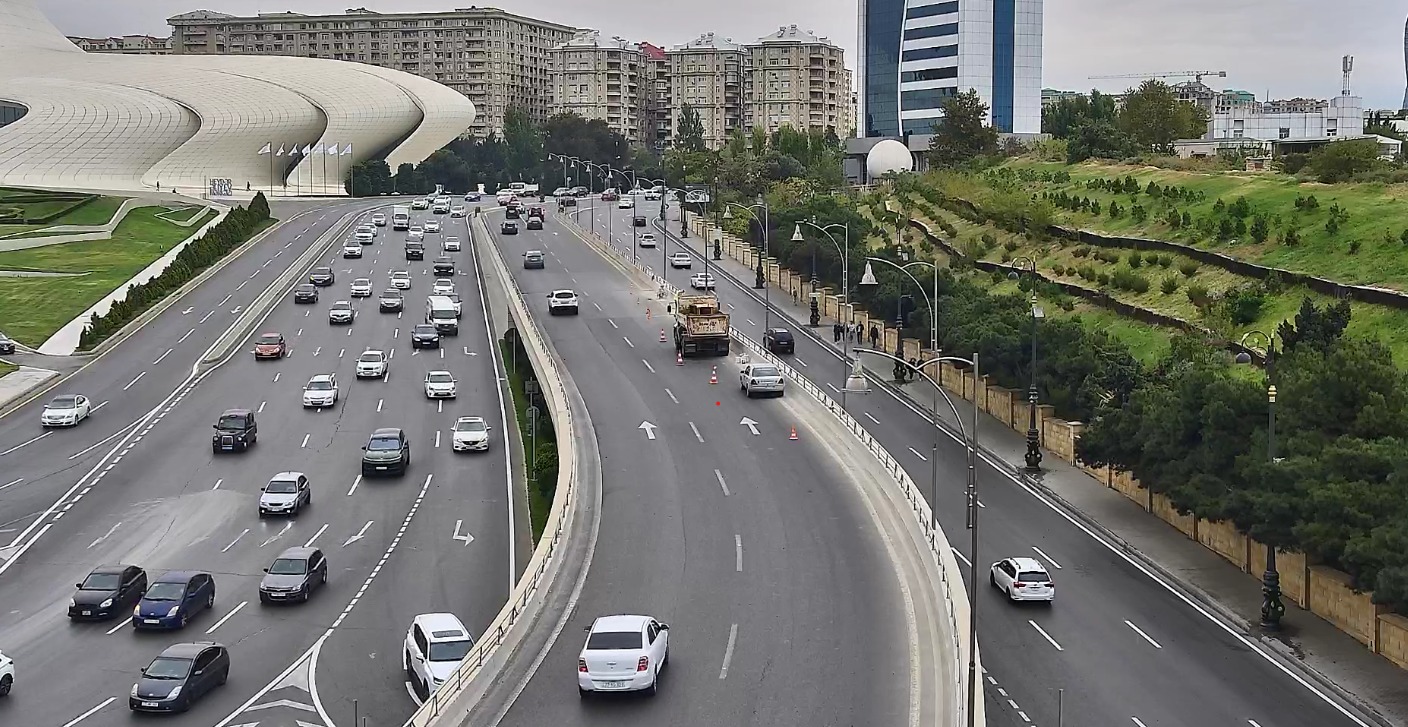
752	425
281	703
415	352
111	530
237	310
465	536
360	534
468	352
236	540
277	535
187	311
649	429
317	350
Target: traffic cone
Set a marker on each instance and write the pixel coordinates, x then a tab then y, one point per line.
662	335
714	375
793	435
647	313
679	359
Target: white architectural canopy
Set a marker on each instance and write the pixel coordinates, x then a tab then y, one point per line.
120	122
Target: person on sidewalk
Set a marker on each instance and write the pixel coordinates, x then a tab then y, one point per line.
874	336
856	332
836	331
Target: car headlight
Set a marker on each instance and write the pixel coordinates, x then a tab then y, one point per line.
106	604
174	693
173	611
72	603
134	690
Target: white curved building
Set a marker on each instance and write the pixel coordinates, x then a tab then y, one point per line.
114	122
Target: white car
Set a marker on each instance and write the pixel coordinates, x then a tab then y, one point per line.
452	244
1022	579
457	211
440	385
364	237
341	312
652	196
415	233
625	203
443	286
66	410
400	280
372	364
362	288
321	391
647	239
379	219
701	281
435	645
623	654
7	674
562	302
351	249
761	378
432	225
681	260
367	228
471	434
420	204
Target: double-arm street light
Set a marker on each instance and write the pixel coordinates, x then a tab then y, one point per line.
1033	456
591	188
845	252
760	278
868	278
566	180
1272	609
858	384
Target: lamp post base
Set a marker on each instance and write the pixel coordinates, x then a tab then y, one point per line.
1272	609
1033	455
758	279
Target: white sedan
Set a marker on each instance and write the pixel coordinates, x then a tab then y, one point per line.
652	196
701	281
471	434
432	225
623	654
443	286
361	288
625	203
681	260
321	391
400	280
440	385
372	364
66	410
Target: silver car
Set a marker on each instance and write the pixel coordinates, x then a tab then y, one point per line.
761	378
286	494
341	312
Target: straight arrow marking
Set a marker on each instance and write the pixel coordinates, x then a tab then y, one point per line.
752	425
649	430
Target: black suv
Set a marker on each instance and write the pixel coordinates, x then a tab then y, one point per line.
638	220
322	277
567	201
110	590
509	228
415	251
511	213
305	293
779	340
6	345
388	451
235	431
424	335
444	266
391	300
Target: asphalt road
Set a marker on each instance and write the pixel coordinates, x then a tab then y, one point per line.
781	600
162	500
1118	646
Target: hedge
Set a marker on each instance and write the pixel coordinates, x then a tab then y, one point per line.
232	232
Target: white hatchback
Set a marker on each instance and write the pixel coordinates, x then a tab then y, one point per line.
435	645
1023	579
321	391
647	239
623	654
362	288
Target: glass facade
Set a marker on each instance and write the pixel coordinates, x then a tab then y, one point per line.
929	11
929	98
10	113
928	74
1004	62
924	54
883	23
934	31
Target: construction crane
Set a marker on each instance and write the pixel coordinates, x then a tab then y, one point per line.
1195	75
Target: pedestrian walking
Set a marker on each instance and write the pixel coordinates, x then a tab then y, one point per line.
836	331
874	336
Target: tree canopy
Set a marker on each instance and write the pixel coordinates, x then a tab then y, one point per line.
1150	119
963	134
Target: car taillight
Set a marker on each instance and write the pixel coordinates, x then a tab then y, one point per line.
1018	584
582	665
643	664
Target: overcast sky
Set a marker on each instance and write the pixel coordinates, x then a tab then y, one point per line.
1286	48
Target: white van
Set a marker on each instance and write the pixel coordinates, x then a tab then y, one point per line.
440	311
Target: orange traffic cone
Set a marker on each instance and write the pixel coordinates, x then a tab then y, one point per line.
679	359
662	335
647	313
793	435
714	375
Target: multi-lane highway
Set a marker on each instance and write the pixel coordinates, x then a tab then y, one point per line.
1118	646
782	603
124	487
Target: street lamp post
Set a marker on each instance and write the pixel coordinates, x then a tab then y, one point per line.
760	279
845	252
564	159
1033	455
1272	608
868	278
592	167
857	383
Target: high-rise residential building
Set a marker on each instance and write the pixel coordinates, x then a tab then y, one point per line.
498	60
145	45
598	79
916	53
656	82
795	78
707	75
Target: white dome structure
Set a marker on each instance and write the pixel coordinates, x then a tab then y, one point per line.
888	156
133	123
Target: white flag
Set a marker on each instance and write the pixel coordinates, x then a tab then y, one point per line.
347	150
331	148
267	148
307	149
318	149
280	152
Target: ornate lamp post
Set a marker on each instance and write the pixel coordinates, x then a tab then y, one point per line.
1272	609
1033	456
845	253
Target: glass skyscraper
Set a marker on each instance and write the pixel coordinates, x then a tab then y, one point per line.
916	53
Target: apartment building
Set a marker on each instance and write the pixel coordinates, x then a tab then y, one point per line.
656	82
707	74
125	44
795	78
497	59
604	80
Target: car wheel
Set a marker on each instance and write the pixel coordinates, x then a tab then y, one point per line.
323	579
210	600
5	685
263	599
224	677
992	578
654	687
583	693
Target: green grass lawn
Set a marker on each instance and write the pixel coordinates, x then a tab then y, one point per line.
6	368
34	308
97	212
539	503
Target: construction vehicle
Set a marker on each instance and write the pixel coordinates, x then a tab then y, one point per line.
701	326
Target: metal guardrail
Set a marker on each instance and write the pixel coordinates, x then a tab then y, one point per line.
559	517
919	507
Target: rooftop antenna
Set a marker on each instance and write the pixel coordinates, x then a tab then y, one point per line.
1346	67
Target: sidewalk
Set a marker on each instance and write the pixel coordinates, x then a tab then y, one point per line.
17	384
1332	658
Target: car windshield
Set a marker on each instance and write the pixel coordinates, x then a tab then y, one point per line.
306	288
63	402
371	357
469	425
362	282
782	335
319	385
269	339
440	378
166	667
383	444
322	271
289	567
165	592
426	330
101	582
612	640
400	274
391	294
342	306
449	650
764	371
282	487
231	421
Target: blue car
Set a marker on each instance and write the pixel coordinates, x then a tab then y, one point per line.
173	599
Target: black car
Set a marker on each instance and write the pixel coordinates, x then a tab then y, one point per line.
235	431
294	575
638	220
511	213
579	192
305	293
509	228
391	300
6	345
110	590
443	266
182	674
425	336
567	201
415	251
779	340
388	452
535	223
322	277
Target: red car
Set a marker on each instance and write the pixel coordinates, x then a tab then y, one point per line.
609	196
270	345
536	211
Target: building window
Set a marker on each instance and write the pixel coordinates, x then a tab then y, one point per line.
929	74
929	98
935	31
924	54
929	11
1285	132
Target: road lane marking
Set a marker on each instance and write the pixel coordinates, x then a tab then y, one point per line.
90	712
647	365
437	438
317	350
309	544
1024	716
800	361
1152	642
728	650
122	625
1253	723
738	552
355	482
720	476
277	374
959	555
188	335
305	440
628	342
1048	558
341	352
96	408
1138	723
1044	634
871	418
163	356
223	302
598	307
917	454
440	406
12	483
218	483
226	617
207	316
236	540
134	381
25	443
261	407
109	533
697	435
277	535
613	324
832	386
239	287
379	402
102	441
672	396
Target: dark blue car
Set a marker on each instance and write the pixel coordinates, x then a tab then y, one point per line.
173	599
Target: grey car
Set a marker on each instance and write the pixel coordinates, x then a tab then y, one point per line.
286	494
6	345
294	575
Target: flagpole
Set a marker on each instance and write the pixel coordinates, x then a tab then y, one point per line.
325	172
